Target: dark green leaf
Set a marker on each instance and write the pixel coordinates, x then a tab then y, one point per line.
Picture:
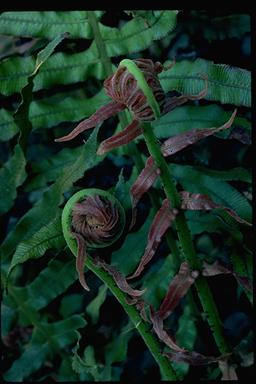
134	245
49	236
45	338
93	308
12	175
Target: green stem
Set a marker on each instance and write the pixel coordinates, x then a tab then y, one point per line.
185	239
106	62
142	327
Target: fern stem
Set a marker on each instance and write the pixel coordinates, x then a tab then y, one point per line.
185	239
106	62
167	371
142	327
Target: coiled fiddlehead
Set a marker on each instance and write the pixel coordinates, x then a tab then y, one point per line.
91	218
136	85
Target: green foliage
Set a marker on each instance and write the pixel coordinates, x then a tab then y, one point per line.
93	309
55	336
49	236
185	336
226	84
12	175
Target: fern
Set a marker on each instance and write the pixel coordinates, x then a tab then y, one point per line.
51	329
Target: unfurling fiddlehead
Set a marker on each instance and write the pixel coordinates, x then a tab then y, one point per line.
91	218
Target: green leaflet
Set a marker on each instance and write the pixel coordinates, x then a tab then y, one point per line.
185	118
116	351
52	111
86	367
46	24
49	236
157	280
237	173
66	372
12	175
7	317
134	244
8	128
93	308
21	115
229	85
54	336
220	191
51	282
122	191
49	169
199	222
45	210
185	337
30	361
72	303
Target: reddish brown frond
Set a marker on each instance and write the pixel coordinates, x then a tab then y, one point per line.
98	117
216	268
158	327
177	143
178	288
228	372
132	131
142	184
162	221
191	357
198	201
81	258
120	280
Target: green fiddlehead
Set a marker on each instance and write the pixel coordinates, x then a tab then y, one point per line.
91	218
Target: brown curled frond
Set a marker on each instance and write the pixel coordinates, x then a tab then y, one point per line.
158	328
192	357
178	288
130	133
95	223
81	258
96	219
162	221
217	268
120	280
123	88
179	142
98	117
142	184
198	201
179	354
